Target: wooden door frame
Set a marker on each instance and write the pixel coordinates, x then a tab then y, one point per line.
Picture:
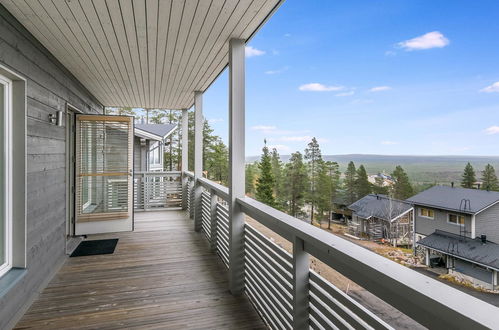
70	163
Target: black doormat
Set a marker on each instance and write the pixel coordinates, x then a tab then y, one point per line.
91	248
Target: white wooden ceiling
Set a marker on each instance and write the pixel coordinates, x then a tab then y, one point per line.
142	53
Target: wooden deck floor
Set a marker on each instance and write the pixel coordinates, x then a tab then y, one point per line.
161	276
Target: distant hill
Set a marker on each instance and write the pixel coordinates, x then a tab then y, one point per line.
421	169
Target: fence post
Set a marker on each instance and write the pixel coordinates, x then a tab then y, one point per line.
301	289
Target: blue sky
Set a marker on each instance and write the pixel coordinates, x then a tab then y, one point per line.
377	77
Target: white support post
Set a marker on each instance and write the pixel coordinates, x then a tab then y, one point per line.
301	288
185	157
198	157
213	218
236	164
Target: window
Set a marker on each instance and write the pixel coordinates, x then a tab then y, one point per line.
427	213
456	219
154	154
5	175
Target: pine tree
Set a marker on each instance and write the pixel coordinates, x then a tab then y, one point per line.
266	181
327	187
314	158
362	185
217	164
489	178
402	188
469	177
349	183
296	183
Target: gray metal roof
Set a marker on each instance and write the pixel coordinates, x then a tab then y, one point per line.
380	206
463	248
161	130
463	200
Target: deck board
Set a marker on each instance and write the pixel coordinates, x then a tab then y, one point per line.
161	276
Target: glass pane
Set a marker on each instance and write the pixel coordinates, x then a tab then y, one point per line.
2	179
104	194
103	169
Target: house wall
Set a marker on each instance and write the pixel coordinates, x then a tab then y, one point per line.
137	155
49	87
487	223
427	226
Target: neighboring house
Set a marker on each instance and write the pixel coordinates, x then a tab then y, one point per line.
149	142
382	217
340	211
459	227
387	180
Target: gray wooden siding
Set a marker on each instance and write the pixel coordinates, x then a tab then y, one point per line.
137	160
472	270
487	222
427	226
49	87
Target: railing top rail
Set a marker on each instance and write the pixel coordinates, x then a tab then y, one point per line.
189	174
159	172
426	300
221	191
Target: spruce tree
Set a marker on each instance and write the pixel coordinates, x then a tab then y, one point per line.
362	185
349	183
469	177
489	178
314	158
277	171
250	178
266	181
296	183
402	188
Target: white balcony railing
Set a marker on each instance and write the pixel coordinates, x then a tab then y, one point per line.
157	190
275	283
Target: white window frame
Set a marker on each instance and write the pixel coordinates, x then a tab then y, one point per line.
425	216
154	149
7	159
456	223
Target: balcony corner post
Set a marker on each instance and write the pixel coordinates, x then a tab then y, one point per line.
236	164
301	289
198	157
185	157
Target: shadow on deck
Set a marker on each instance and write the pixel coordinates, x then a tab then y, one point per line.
161	276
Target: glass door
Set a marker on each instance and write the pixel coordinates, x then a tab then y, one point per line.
104	182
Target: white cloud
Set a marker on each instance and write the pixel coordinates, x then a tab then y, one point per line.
429	40
316	87
389	143
494	88
277	71
280	148
263	128
492	130
251	51
380	88
215	120
350	93
390	53
287	35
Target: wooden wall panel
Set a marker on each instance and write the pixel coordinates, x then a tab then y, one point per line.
49	87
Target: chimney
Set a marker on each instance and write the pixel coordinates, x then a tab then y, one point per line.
452	184
483	238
